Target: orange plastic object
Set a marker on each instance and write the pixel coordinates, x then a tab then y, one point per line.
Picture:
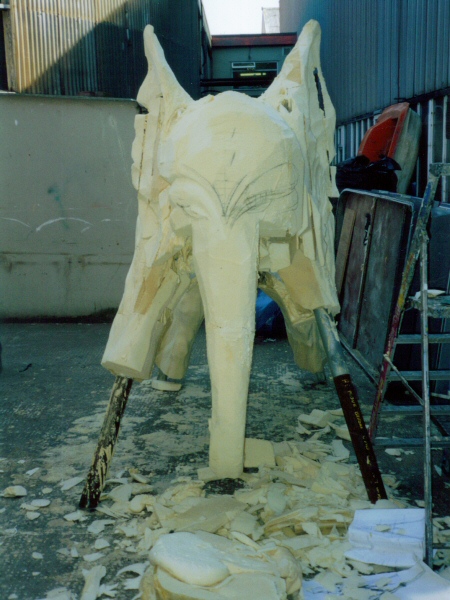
382	138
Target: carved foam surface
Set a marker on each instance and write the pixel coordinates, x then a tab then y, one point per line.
220	180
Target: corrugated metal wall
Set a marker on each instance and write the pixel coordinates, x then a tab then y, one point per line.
68	47
374	53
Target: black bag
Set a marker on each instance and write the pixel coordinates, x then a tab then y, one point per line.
361	174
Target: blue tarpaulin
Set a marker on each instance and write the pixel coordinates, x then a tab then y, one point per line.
268	314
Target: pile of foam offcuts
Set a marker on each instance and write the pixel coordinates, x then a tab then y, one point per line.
282	534
289	520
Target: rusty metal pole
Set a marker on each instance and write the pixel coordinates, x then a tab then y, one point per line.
348	398
95	481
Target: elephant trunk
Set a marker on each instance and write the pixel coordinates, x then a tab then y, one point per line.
225	262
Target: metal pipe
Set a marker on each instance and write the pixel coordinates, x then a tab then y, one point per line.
348	398
330	339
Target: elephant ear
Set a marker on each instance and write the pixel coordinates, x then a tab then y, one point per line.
151	282
300	96
160	82
163	98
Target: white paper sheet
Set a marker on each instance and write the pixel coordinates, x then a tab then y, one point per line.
388	537
417	583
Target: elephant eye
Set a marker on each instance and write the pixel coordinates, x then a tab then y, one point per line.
141	109
192	212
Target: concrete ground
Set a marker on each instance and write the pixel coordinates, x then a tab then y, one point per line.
53	396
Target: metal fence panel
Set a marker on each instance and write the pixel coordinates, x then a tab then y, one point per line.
442	44
374	53
407	45
420	48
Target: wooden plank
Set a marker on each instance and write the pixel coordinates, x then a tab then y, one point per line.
390	234
344	247
95	481
416	338
410	443
437	410
353	284
443	375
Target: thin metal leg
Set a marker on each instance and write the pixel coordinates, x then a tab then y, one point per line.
428	487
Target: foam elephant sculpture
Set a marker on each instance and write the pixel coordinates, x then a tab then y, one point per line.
233	193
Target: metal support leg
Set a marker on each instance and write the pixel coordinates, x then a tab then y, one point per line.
428	488
350	405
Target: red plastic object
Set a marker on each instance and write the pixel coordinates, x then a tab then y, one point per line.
382	138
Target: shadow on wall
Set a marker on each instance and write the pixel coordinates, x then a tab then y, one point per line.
108	58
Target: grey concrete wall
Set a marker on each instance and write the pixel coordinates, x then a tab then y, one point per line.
67	207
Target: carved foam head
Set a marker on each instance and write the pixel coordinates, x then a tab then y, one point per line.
233	157
229	155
